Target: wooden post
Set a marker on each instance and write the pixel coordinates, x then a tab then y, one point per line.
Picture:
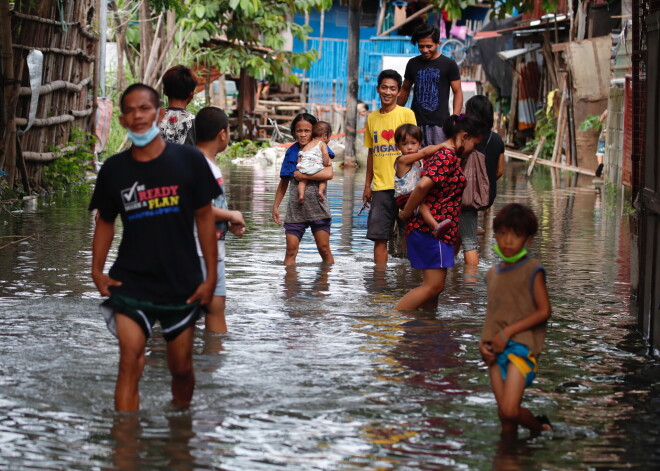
513	112
549	58
572	141
10	96
535	156
240	103
381	17
407	20
352	92
561	125
146	37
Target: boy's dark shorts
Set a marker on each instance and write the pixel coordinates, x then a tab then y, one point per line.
382	214
298	228
173	318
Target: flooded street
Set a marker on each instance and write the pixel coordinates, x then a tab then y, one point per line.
318	370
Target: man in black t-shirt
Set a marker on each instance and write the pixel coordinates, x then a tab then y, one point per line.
432	75
160	190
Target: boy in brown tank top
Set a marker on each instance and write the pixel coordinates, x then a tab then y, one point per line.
516	317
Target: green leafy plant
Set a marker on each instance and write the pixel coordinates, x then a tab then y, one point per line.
546	126
7	193
591	122
241	149
71	167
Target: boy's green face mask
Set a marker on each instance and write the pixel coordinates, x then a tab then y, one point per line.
513	258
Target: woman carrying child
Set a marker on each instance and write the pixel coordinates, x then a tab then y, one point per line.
440	188
313	212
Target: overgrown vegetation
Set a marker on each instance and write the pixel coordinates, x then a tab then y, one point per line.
70	169
241	149
591	122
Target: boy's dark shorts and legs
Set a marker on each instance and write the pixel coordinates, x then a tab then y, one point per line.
173	319
382	215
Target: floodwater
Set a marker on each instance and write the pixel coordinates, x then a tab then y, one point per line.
318	371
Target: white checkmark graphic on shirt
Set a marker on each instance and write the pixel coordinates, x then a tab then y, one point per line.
129	196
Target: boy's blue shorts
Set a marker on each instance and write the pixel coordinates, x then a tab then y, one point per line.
522	359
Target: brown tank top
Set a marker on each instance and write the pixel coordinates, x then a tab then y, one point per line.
511	298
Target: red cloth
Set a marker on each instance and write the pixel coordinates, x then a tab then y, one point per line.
444	198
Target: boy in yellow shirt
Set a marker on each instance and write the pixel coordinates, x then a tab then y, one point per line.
379	182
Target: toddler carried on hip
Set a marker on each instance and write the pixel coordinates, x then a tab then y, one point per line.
314	157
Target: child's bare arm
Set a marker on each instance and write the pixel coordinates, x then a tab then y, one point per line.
235	219
487	354
221	214
326	155
422	154
536	317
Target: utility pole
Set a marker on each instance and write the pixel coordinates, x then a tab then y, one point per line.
353	66
103	33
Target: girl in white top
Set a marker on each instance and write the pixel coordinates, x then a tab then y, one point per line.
314	157
408	168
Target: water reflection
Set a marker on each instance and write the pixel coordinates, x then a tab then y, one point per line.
135	449
318	371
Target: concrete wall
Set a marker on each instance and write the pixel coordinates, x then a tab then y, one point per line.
614	142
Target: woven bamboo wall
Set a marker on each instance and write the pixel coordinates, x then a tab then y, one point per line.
63	32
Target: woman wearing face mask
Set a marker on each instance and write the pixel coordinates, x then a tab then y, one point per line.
440	188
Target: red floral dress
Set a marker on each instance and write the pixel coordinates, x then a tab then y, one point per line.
444	198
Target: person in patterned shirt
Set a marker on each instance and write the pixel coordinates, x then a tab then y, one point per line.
440	188
176	124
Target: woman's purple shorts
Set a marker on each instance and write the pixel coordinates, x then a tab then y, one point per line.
298	228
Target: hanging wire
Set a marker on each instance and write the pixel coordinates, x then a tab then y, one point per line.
60	9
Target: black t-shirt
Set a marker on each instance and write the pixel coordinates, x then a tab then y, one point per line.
492	147
157	260
431	81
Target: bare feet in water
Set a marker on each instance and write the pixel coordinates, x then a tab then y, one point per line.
441	229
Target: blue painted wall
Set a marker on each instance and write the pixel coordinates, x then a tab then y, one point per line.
327	78
336	25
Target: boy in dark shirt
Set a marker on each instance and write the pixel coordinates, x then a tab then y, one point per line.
160	190
432	75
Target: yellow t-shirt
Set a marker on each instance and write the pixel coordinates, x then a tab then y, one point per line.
379	137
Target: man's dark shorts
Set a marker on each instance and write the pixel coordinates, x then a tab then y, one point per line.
173	318
382	214
432	135
298	228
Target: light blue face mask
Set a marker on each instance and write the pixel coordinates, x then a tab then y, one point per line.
141	139
513	258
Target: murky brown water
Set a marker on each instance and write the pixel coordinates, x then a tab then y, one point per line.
319	371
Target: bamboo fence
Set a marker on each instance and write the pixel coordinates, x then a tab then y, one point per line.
63	32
